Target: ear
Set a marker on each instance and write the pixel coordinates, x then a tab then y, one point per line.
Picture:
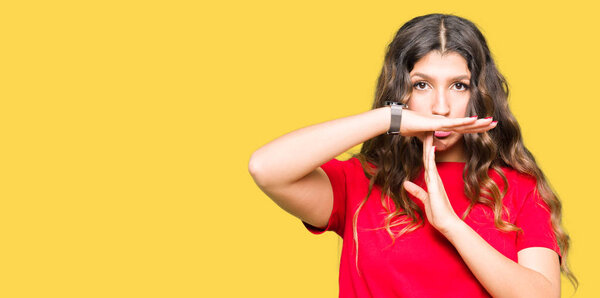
415	190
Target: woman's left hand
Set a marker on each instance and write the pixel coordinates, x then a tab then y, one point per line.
437	206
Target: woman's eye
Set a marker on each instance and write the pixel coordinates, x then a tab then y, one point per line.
420	85
461	86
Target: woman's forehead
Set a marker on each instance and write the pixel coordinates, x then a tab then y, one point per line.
450	65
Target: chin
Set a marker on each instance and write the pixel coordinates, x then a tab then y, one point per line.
444	144
439	147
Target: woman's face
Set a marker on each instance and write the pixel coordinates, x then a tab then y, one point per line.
441	87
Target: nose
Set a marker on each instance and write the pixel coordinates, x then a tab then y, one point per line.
440	103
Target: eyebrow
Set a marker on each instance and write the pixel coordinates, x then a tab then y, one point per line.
457	78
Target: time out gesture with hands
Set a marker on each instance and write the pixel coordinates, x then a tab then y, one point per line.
437	206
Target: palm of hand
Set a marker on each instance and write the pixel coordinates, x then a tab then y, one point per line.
438	209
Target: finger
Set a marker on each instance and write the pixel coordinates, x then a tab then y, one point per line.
432	176
427	143
477	129
440	122
479	123
428	140
415	190
435	181
432	166
427	146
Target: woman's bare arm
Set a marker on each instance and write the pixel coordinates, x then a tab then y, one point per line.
287	168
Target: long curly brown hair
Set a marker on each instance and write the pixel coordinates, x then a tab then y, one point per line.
398	158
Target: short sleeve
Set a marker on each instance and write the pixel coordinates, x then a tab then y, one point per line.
534	219
337	177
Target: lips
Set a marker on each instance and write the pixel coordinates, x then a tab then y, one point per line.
441	134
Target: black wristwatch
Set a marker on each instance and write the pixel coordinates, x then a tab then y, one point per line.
396	116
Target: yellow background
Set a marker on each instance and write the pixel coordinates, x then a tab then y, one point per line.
127	127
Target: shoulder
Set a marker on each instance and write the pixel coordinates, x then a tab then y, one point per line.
352	168
519	181
521	187
340	167
352	164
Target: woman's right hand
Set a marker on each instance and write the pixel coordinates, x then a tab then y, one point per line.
413	123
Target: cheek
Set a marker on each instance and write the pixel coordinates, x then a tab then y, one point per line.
460	109
417	104
462	112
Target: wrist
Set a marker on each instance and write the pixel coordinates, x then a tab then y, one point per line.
453	228
384	117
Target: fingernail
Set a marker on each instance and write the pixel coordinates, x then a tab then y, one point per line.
486	118
473	116
433	148
494	122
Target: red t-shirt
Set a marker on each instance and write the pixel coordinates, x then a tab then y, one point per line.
423	263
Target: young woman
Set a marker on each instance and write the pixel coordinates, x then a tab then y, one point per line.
449	203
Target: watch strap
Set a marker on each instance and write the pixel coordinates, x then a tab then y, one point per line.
396	117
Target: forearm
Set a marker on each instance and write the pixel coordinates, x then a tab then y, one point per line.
296	154
499	275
